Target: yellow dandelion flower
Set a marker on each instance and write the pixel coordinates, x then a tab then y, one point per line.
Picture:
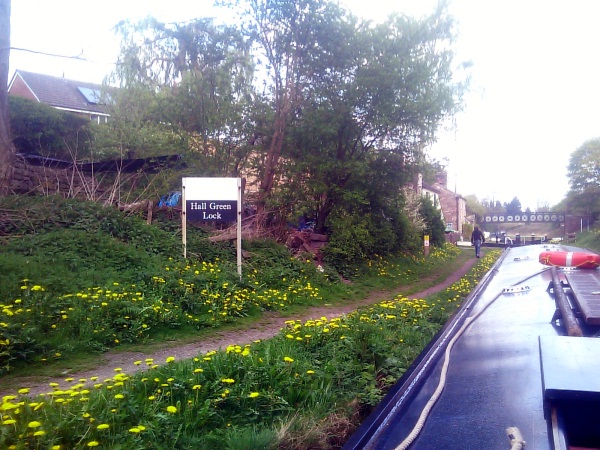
171	409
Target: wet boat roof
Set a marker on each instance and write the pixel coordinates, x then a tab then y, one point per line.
494	374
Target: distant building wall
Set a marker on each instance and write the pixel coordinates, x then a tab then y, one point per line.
20	89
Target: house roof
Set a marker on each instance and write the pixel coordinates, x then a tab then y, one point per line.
61	93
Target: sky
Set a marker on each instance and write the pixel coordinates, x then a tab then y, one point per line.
533	97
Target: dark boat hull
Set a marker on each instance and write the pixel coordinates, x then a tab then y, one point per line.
494	376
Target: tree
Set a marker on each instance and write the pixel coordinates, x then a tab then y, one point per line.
186	87
583	172
475	207
295	38
584	167
379	97
40	128
346	108
434	225
514	207
7	149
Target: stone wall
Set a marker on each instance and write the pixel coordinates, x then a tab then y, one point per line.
40	180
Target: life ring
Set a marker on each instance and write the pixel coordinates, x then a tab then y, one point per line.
570	259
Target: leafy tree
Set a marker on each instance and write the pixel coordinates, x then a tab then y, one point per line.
514	207
493	207
295	39
382	98
584	179
584	166
345	111
39	128
7	149
434	225
186	87
475	207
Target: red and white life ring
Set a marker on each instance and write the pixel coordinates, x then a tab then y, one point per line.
570	259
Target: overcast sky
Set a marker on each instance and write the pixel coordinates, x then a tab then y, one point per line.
534	92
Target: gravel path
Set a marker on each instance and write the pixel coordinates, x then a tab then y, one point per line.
266	327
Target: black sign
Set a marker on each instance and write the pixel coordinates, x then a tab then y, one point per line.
211	210
525	217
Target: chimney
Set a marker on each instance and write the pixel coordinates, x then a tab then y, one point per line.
442	178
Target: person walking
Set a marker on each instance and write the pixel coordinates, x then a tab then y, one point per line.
477	239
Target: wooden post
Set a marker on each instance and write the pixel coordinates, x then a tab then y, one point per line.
150	208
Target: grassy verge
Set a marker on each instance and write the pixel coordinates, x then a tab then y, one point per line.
305	388
590	240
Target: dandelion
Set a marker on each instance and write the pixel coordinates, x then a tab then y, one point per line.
196	387
93	444
103	426
171	409
288	359
134	430
9	422
39	433
253	394
34	424
170	359
228	380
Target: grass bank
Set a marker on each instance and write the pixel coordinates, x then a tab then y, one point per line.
79	280
306	388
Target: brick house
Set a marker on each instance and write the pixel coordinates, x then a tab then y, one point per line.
452	206
79	97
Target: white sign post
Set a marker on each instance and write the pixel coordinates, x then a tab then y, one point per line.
212	200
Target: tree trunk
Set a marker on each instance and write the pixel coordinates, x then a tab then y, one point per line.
7	148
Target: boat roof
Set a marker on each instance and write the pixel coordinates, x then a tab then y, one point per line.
493	352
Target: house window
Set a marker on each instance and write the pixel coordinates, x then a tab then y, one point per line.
99	119
449	228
